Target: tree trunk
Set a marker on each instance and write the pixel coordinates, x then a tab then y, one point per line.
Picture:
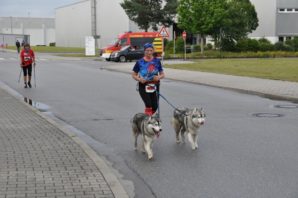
202	44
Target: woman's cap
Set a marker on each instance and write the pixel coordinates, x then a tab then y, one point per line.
148	45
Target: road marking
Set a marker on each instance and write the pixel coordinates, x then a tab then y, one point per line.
12	59
2	59
42	59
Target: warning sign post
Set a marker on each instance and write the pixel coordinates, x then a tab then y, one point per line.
164	34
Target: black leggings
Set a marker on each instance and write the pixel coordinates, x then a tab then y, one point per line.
150	99
27	70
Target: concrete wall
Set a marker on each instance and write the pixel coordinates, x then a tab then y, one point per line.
75	21
73	24
266	11
41	30
287	3
112	21
287	21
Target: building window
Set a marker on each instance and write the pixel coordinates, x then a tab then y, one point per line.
281	39
288	10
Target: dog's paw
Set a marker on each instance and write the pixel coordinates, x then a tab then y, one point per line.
150	158
194	148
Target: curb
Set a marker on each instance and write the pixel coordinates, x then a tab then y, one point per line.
269	96
113	182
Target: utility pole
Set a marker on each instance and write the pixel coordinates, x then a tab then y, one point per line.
94	22
11	24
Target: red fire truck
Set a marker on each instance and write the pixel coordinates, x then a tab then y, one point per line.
135	40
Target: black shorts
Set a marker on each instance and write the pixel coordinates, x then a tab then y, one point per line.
27	70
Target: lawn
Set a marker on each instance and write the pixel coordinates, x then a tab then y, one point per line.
271	68
47	49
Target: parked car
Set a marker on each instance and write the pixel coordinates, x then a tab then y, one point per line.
127	53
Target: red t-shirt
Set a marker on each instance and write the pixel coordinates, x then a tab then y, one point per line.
27	57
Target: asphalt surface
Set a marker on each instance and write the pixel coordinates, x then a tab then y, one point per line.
247	148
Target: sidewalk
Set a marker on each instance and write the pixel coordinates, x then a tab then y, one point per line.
274	89
40	159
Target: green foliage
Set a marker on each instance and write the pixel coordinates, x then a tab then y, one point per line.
209	46
293	43
168	13
195	48
241	19
280	46
226	21
200	16
217	54
179	45
148	13
169	46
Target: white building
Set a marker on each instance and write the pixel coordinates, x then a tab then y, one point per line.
103	18
41	31
277	19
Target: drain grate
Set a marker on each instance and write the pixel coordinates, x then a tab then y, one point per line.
290	106
267	115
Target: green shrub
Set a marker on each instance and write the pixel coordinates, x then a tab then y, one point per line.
179	45
293	43
253	45
195	48
169	46
228	45
263	46
209	46
264	40
245	45
280	46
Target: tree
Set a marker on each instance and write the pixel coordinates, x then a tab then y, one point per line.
201	16
169	13
225	20
241	19
149	13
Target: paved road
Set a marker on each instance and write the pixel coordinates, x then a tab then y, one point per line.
240	155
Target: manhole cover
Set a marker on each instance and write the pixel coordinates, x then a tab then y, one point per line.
267	115
290	106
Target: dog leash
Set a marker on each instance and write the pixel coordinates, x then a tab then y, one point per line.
166	100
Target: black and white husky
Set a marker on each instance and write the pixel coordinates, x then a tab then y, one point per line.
147	126
188	121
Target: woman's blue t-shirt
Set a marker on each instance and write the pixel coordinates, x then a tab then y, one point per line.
148	70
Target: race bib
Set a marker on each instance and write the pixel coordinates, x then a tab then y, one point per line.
150	88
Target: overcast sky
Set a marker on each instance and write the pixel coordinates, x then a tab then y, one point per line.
32	8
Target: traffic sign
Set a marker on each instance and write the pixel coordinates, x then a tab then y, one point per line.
163	32
184	35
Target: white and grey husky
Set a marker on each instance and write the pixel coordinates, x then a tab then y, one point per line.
147	126
188	121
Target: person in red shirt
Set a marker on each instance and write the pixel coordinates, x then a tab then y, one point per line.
27	58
